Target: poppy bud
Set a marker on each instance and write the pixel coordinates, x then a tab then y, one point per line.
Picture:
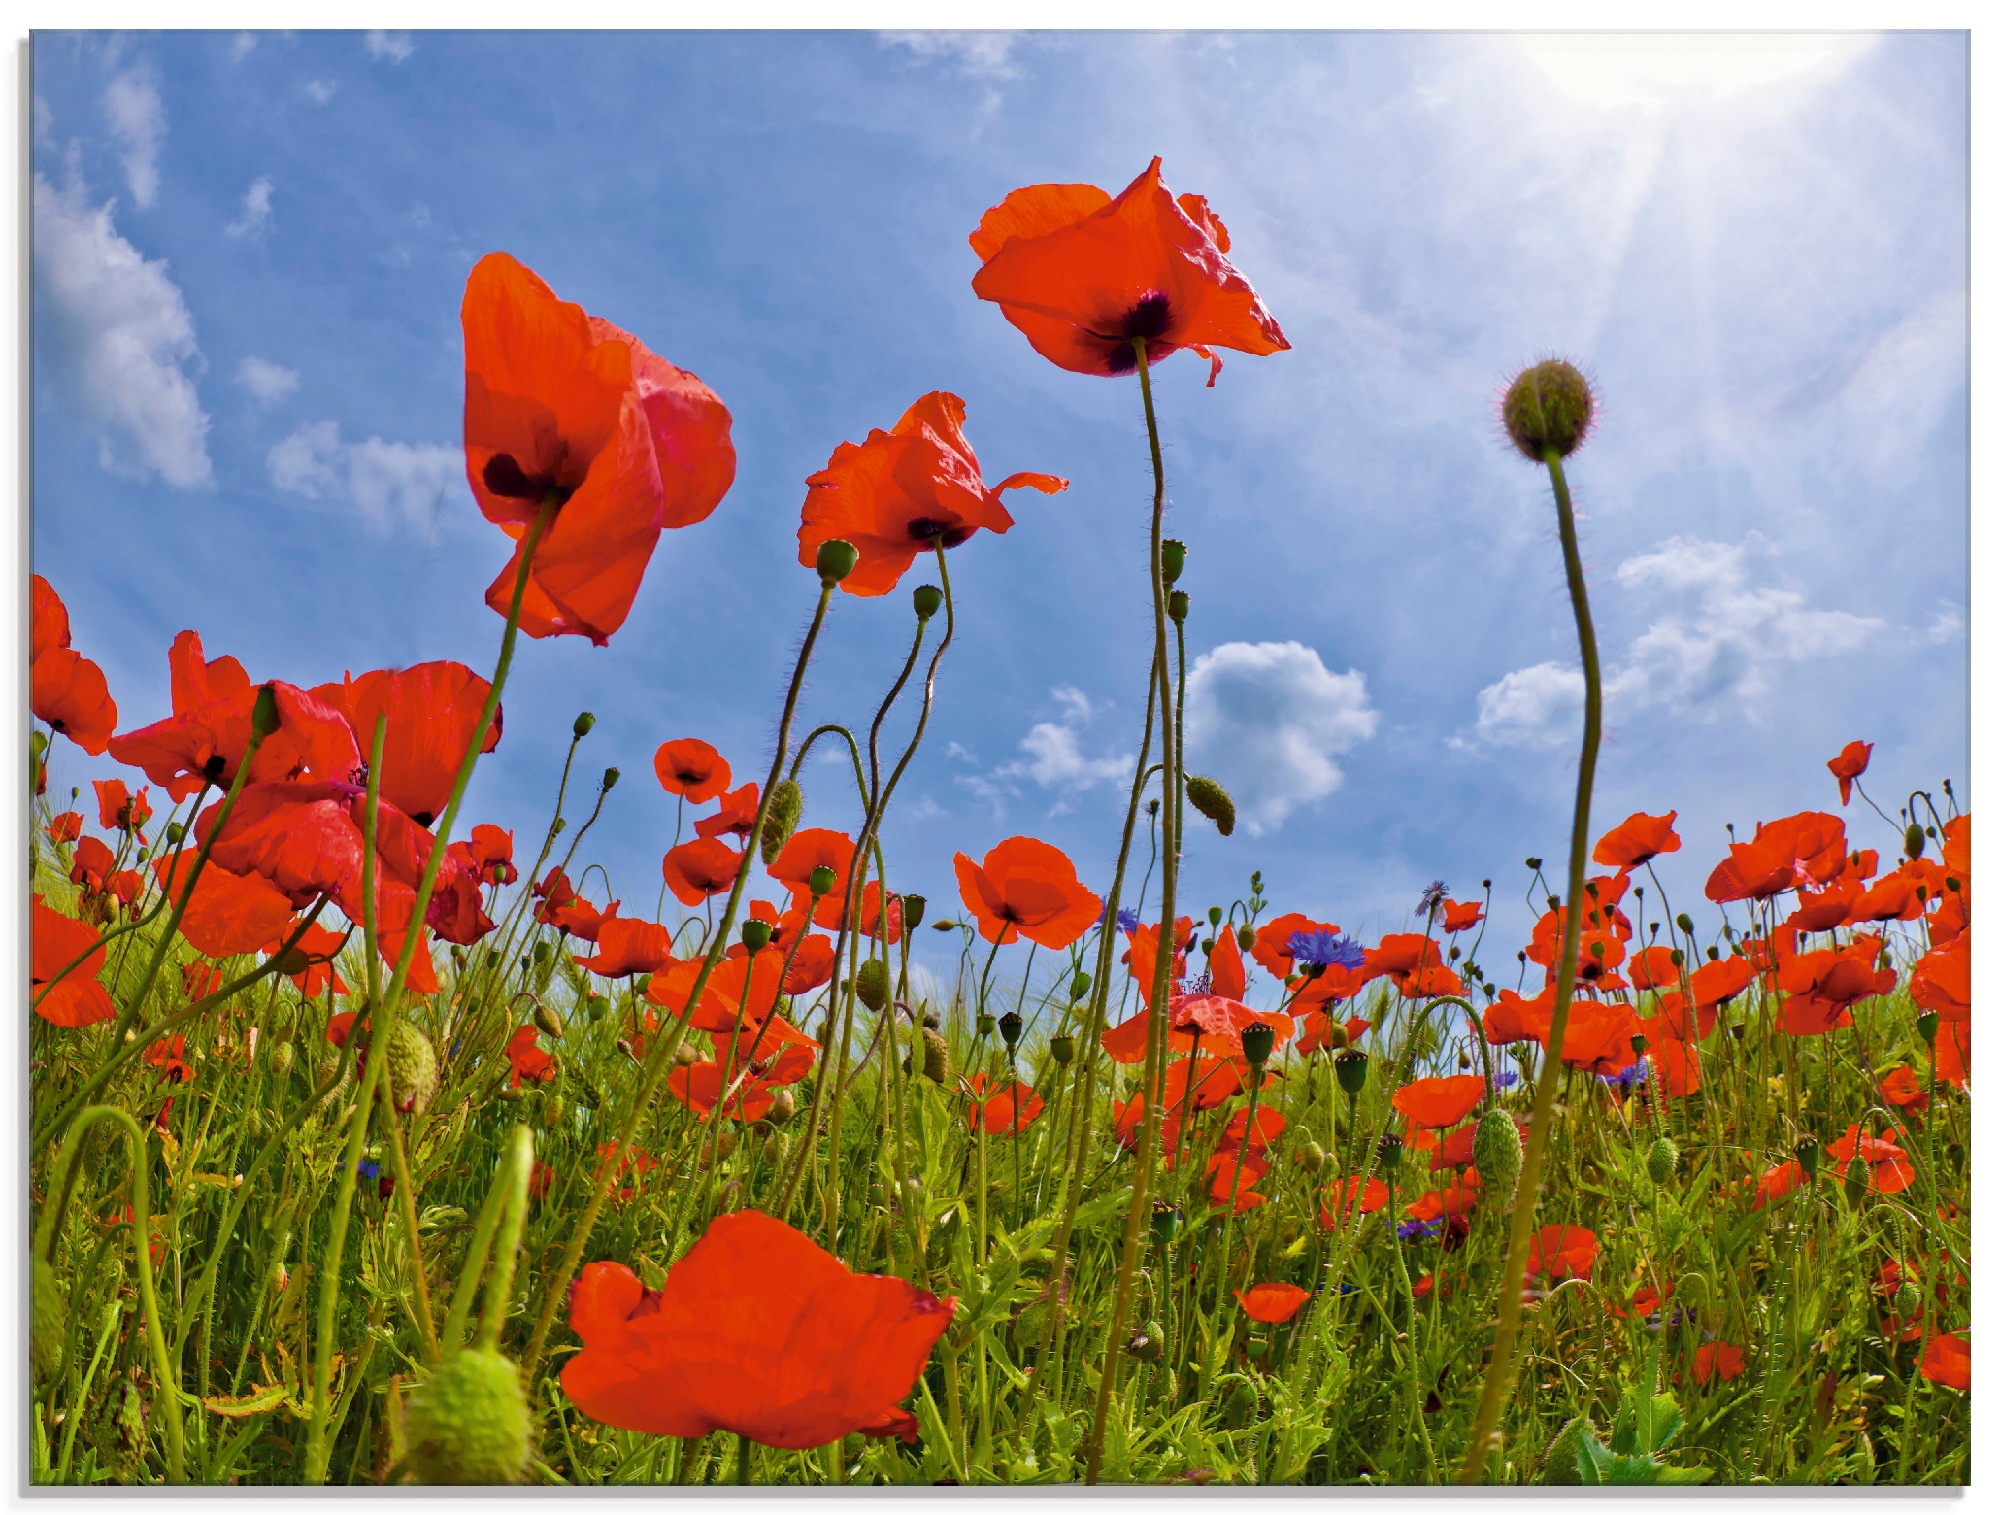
928	599
913	910
821	880
1311	1157
1389	1152
1686	925
1350	1066
1079	986
1257	1042
1336	1037
1239	1405
775	1146
1010	1029
1145	1345
1173	560
836	561
583	724
982	1025
1856	1182
1562	1462
687	1053
1547	410
1661	1159
595	1007
1913	841
547	1019
1213	801
264	713
1177	606
1807	1153
281	1059
610	779
1496	1153
1927	1027
553	1111
756	935
937	1056
1062	1049
780	819
468	1422
783	1105
1906	1300
49	1321
174	833
412	1066
641	982
1246	936
871	983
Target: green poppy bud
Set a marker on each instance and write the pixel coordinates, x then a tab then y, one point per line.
264	713
928	600
468	1422
1173	560
835	561
1496	1153
1685	923
1239	1405
174	833
1856	1182
596	1008
1062	1049
1913	841
582	725
641	982
1147	1343
1927	1027
1246	936
1662	1158
1215	915
412	1065
1350	1066
1906	1300
1807	1153
547	1019
871	983
937	1056
1213	801
1257	1042
1561	1463
1177	606
1010	1029
553	1110
821	880
756	935
1311	1157
913	911
281	1059
783	1105
1547	410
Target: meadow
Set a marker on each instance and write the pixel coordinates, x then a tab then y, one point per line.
371	1145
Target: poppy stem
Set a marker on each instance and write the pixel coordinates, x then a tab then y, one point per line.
1137	1218
1500	1369
742	1460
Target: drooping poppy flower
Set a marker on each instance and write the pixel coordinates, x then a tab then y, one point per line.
1440	1102
736	817
431	711
757	1331
1948	1361
1001	1111
92	864
628	947
1081	274
1562	1252
1225	966
66	827
1455	916
1272	947
65	688
1272	1304
488	854
902	490
692	769
530	1063
1340	1199
1849	764
701	869
1718	1360
566	410
1889	1168
1635	840
1026	888
1809	848
55	941
118	809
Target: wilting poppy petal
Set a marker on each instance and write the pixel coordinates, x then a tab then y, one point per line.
1849	764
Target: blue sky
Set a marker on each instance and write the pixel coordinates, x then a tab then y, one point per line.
249	252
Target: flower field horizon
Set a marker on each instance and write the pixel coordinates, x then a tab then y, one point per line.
381	1133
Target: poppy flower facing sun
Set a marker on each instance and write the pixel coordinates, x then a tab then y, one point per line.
1026	888
758	1331
1081	274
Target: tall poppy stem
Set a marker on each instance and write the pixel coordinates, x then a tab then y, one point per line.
1500	1369
1149	1140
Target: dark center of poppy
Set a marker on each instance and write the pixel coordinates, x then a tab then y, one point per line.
928	529
503	476
423	818
212	769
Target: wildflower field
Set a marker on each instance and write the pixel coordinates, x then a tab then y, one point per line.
371	1144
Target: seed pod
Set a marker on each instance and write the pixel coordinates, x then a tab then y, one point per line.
468	1422
1173	560
928	600
1807	1153
1547	410
1177	606
756	935
1257	1042
49	1321
1927	1027
581	728
788	803
1010	1029
610	780
937	1056
264	717
1213	801
1062	1049
1389	1153
412	1065
871	983
835	561
1662	1158
913	911
1350	1066
982	1025
821	880
1496	1153
1560	1462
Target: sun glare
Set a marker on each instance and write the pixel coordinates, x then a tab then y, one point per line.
1660	69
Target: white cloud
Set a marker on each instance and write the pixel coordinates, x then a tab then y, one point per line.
1716	651
241	45
1052	759
1947	626
138	120
980	53
267	382
1267	719
321	90
395	46
388	482
123	336
256	215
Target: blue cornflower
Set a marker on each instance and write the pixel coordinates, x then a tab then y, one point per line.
1630	1077
368	1168
1329	949
1432	899
1506	1079
1128	920
1427	1228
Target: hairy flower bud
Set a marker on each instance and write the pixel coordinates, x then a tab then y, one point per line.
547	1019
412	1066
1311	1157
835	561
1855	1185
553	1110
788	802
937	1056
468	1422
48	1321
871	983
1496	1153
783	1105
1662	1158
281	1059
1213	801
1547	410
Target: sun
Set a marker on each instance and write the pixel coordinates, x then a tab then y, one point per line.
1665	69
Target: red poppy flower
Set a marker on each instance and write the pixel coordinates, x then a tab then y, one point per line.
1948	1361
432	711
1006	1112
1824	909
1821	986
68	691
200	980
740	989
1317	1031
1272	949
810	848
118	809
54	941
1213	1080
1511	1018
757	1331
228	913
1598	1037
776	1052
893	1422
1718	1360
1600	943
91	864
811	964
1653	968
565	408
1645	1300
1776	1183
1440	1102
736	817
1635	840
66	827
1717	983
1225	966
1942	980
165	1054
701	869
1800	850
636	1162
1272	1304
1455	1198
1030	888
1270	1126
1080	274
1850	763
1237	1173
530	1063
569	912
1126	1115
488	854
318	946
895	494
1889	1169
628	947
1562	1252
1901	1089
1676	1061
1452	1151
1341	1196
1143	954
1456	917
692	769
699	1086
